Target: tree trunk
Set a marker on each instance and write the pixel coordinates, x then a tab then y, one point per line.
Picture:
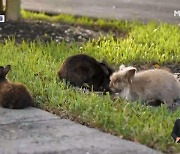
1	6
13	9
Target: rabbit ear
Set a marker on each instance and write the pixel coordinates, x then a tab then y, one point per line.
6	69
104	67
130	72
1	70
121	67
108	67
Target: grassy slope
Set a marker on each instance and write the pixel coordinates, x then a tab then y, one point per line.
70	19
36	64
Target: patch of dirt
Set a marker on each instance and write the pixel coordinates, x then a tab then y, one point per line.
30	30
174	68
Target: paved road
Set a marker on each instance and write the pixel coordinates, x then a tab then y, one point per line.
33	131
145	10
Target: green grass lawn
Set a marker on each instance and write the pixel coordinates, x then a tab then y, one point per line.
36	65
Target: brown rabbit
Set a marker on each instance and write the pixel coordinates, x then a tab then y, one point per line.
82	69
149	85
13	95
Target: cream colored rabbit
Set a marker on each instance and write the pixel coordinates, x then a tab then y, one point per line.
153	84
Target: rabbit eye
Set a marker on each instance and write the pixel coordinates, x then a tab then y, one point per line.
114	82
118	80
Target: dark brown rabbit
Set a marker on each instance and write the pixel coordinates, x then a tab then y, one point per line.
82	69
13	95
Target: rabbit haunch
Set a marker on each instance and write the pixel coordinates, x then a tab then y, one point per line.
13	95
82	69
149	85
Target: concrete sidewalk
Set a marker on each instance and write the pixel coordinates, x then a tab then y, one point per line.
159	10
33	131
